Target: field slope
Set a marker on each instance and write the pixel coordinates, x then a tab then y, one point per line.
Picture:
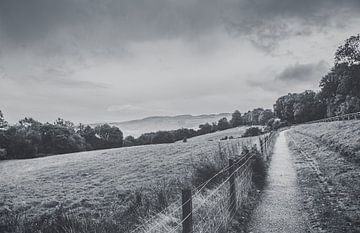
99	182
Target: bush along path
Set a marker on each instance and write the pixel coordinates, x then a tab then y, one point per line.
280	208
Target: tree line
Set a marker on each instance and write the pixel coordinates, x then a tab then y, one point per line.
30	138
339	90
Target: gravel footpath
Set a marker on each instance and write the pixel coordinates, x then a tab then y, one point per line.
281	208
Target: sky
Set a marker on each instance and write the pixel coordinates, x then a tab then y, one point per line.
114	60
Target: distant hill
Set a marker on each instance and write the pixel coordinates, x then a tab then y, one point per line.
156	123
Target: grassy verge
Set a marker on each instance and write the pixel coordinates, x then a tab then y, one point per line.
330	181
342	137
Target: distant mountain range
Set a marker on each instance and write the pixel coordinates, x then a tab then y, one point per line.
156	123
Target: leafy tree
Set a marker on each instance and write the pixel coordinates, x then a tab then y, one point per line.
236	119
223	124
64	123
214	127
252	131
255	114
17	144
3	123
247	118
130	141
340	88
205	129
110	136
265	116
284	107
182	133
349	53
29	122
59	139
298	108
23	140
88	133
145	139
329	84
308	107
162	137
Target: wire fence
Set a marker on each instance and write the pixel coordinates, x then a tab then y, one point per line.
211	209
349	116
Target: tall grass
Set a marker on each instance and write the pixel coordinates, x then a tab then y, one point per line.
140	205
211	209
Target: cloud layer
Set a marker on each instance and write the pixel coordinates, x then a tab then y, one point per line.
96	60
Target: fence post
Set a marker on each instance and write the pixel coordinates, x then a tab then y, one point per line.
187	224
267	142
232	206
261	146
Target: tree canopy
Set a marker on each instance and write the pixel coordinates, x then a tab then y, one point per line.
236	119
339	90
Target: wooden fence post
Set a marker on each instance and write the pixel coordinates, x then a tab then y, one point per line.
232	204
267	142
187	224
261	146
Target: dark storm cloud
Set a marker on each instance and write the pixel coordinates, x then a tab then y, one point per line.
263	21
303	72
296	76
266	23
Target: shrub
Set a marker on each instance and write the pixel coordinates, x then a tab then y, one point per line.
3	153
259	169
162	137
129	141
252	131
224	138
207	167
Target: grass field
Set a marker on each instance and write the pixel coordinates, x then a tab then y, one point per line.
340	136
100	182
327	162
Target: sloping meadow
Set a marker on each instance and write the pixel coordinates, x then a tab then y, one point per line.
102	191
340	136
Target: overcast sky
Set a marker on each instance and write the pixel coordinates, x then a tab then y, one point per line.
114	60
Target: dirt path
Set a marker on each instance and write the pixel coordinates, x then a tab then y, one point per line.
281	206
